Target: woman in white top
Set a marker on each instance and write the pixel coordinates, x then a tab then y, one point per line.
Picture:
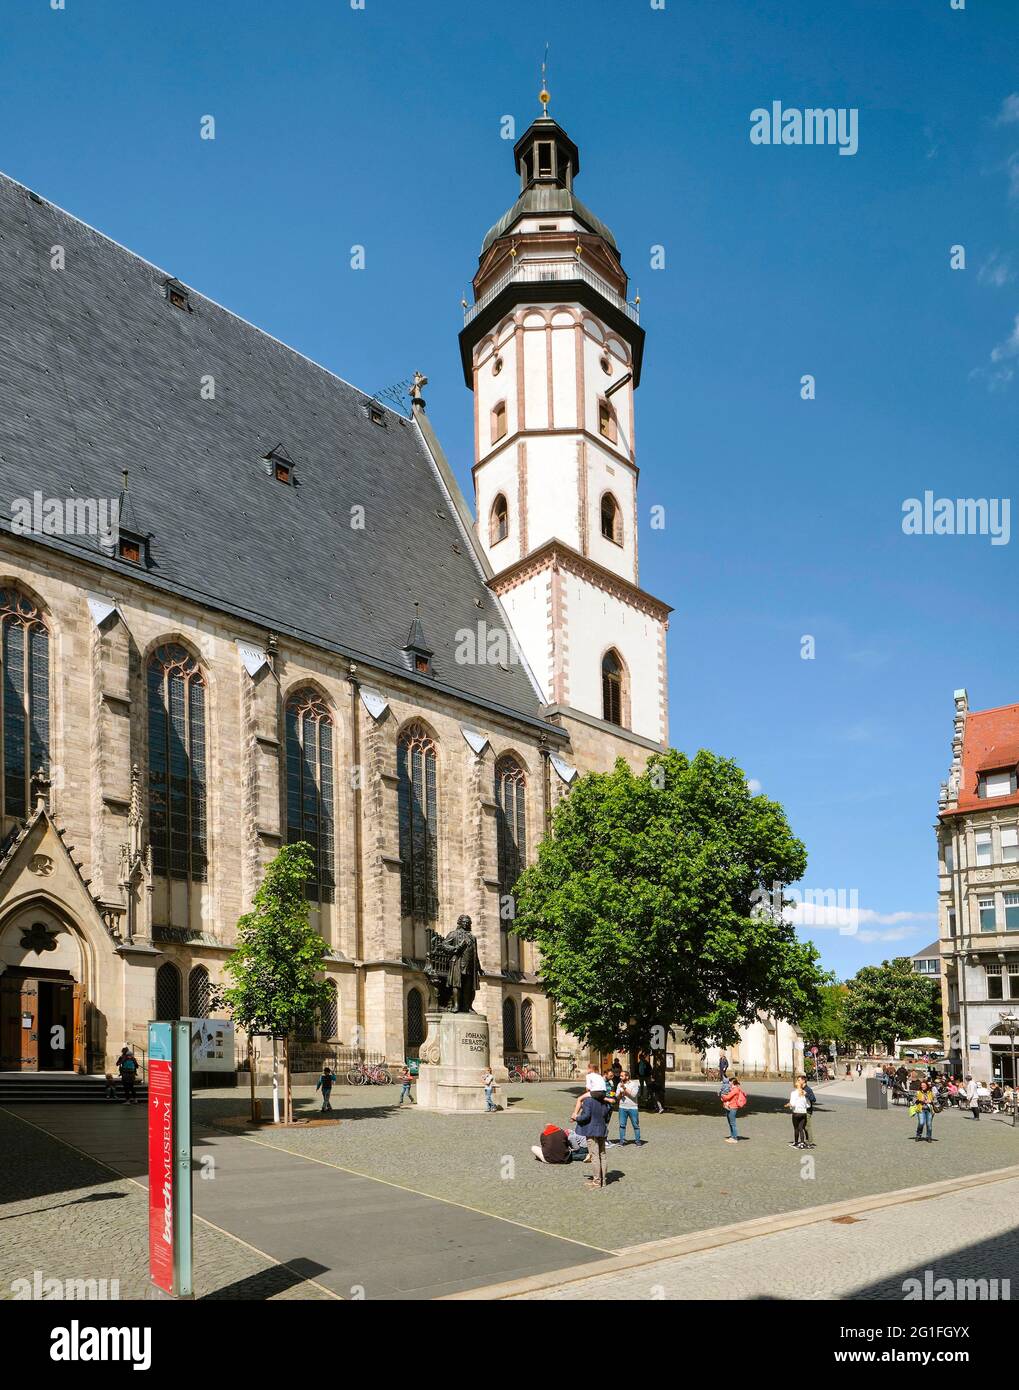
799	1105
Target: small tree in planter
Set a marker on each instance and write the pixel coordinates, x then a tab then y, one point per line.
277	966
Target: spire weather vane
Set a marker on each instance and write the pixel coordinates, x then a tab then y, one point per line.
544	96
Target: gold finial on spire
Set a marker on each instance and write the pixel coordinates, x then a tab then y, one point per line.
544	96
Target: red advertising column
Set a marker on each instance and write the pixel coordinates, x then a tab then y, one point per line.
161	1174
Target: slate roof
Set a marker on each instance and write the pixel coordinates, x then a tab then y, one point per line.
98	373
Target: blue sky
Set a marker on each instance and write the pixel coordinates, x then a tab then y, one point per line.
381	127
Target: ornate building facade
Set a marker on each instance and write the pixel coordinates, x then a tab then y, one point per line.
296	629
978	889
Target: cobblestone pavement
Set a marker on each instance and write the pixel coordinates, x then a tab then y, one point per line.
685	1178
966	1235
67	1217
70	1212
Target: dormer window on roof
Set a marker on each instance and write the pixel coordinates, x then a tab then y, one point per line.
279	465
416	652
132	548
177	296
375	413
1000	783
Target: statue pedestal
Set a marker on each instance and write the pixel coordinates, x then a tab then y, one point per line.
454	1057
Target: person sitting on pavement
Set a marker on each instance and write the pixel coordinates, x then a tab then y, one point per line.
553	1146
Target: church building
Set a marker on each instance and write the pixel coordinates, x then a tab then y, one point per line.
242	603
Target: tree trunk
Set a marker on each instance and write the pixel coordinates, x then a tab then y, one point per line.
288	1099
251	1074
275	1081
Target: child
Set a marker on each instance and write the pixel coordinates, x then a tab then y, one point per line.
325	1085
406	1081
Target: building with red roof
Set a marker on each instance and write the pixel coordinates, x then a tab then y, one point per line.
978	894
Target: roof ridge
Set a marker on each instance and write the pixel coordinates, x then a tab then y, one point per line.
161	270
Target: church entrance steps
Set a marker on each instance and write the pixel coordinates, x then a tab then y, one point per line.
26	1087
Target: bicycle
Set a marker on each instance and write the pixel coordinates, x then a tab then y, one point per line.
364	1075
523	1073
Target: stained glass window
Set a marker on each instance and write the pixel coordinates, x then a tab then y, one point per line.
25	657
310	815
177	770
417	798
511	849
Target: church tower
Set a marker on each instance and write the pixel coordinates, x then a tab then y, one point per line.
552	350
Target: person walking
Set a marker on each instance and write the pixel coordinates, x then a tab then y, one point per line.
325	1085
799	1105
923	1108
127	1065
733	1098
406	1082
628	1092
488	1081
808	1128
592	1123
972	1100
723	1066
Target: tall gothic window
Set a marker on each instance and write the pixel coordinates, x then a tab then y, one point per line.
167	992
509	1026
415	1019
416	789
612	688
310	787
25	658
329	1017
177	770
198	992
511	849
527	1025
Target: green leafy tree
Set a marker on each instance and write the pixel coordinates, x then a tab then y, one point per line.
826	1023
277	966
890	1001
652	905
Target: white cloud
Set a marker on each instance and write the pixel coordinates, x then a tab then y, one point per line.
1009	113
1002	370
823	915
753	786
996	270
894	934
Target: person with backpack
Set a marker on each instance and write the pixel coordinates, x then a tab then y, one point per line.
808	1128
127	1065
325	1085
733	1098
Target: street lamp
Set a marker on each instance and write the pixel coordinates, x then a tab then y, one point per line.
1010	1025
